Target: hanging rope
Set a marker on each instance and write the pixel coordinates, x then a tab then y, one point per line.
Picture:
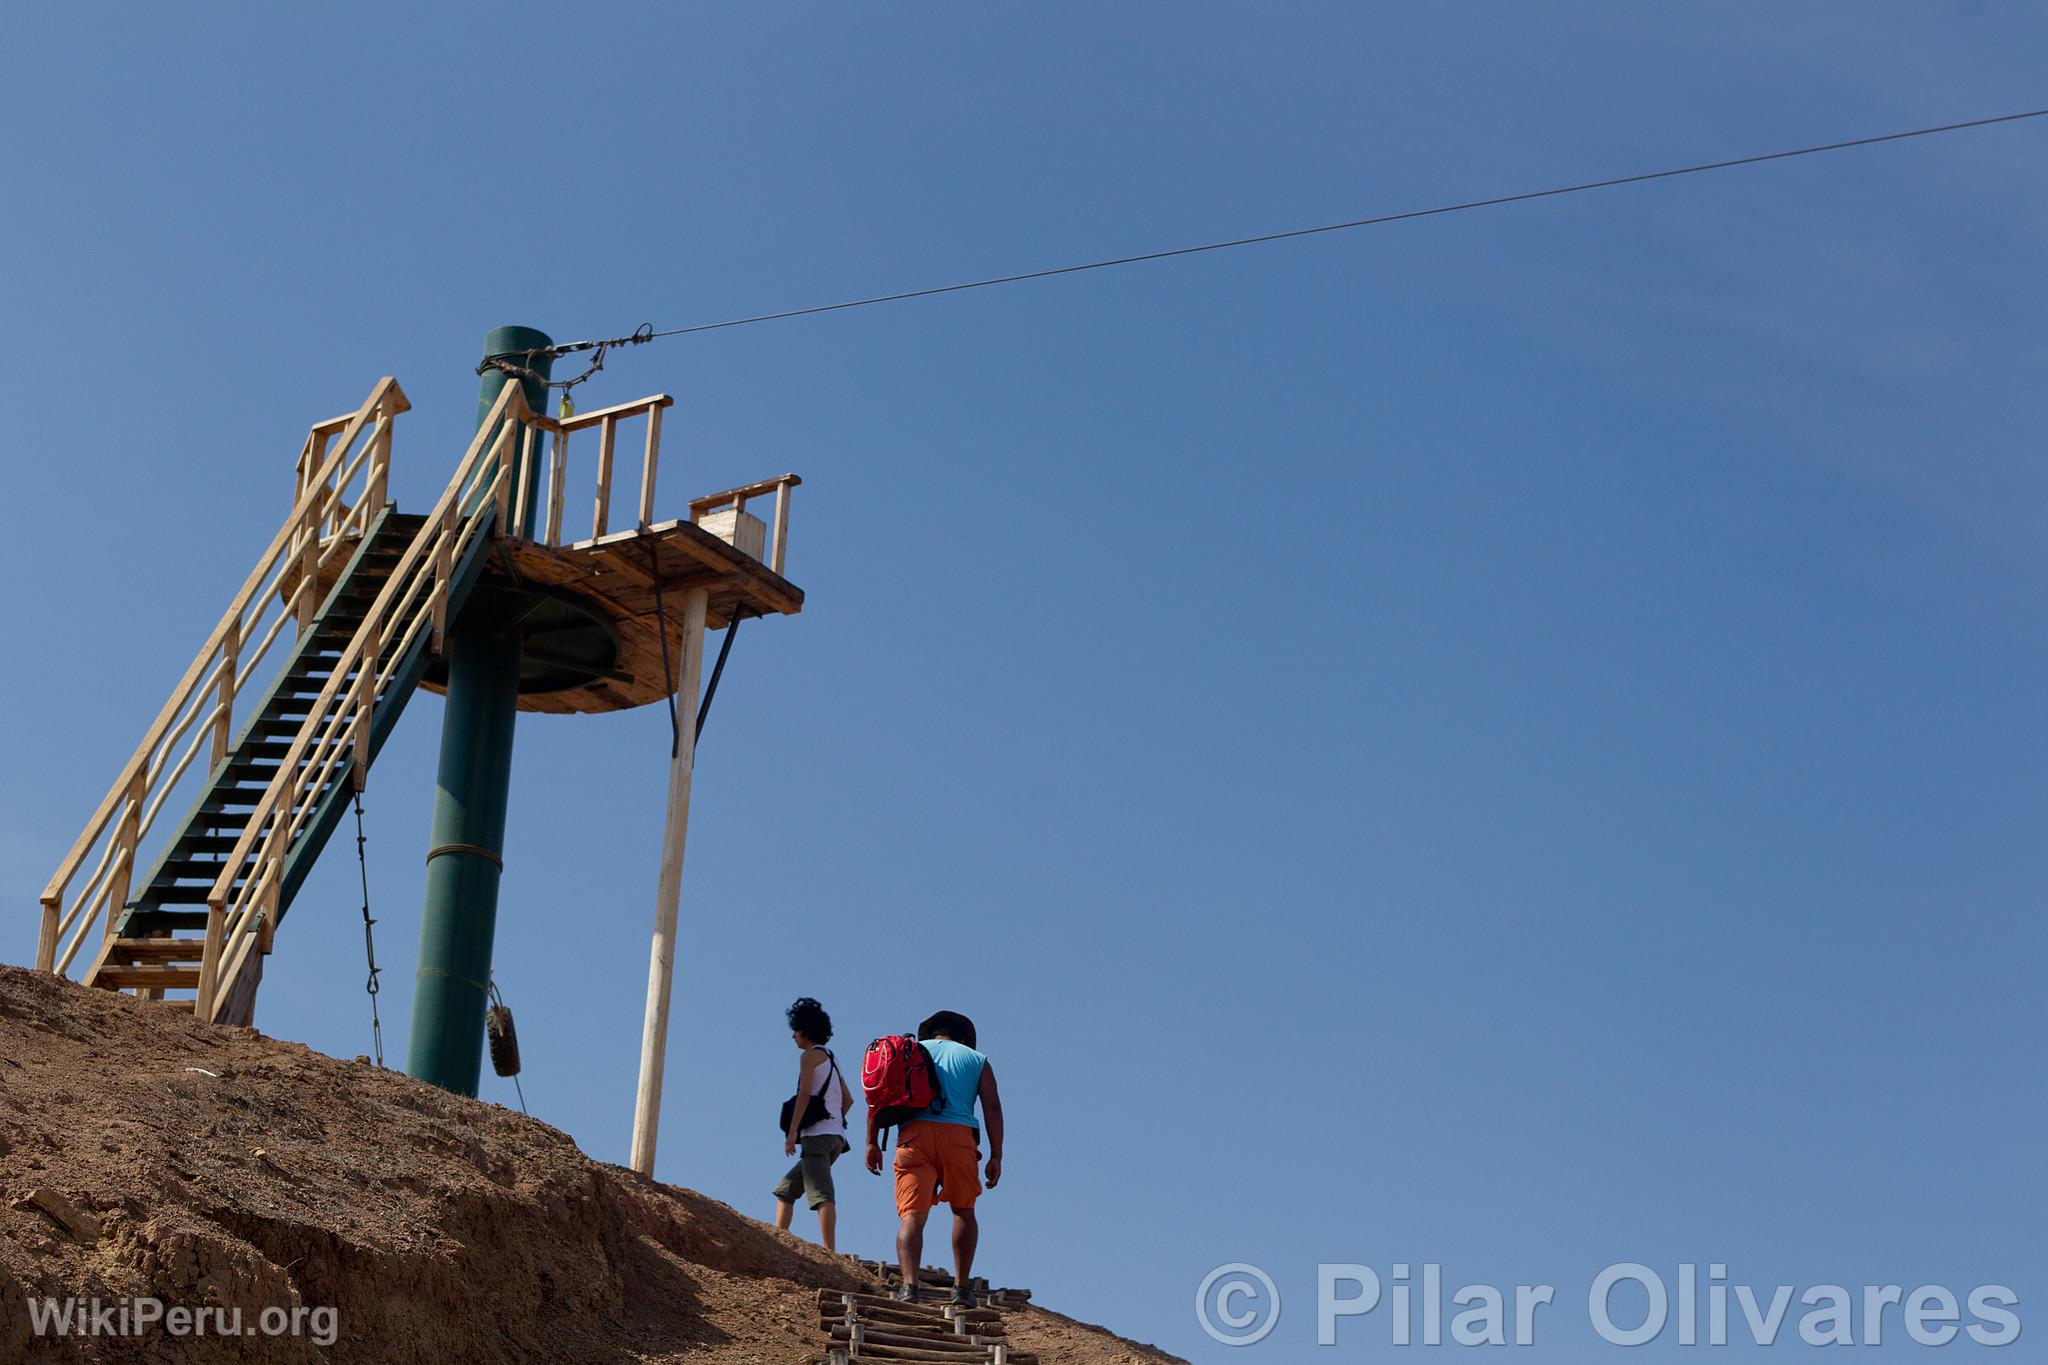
369	939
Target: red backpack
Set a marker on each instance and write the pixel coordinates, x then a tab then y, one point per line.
898	1079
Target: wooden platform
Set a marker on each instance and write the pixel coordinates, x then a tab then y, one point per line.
615	576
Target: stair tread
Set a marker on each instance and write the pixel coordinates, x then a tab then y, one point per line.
266	748
189	871
155	976
249	784
127	950
199	874
147	917
205	843
171	893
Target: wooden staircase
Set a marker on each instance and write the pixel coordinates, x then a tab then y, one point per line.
159	941
364	595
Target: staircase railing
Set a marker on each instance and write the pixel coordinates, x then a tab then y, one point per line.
345	453
244	903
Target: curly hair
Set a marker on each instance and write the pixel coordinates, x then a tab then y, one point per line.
808	1017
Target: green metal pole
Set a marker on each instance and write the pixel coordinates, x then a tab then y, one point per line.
466	856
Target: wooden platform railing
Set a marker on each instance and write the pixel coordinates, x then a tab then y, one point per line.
345	453
606	420
244	903
737	499
554	492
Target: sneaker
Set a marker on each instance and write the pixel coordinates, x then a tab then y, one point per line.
906	1293
963	1296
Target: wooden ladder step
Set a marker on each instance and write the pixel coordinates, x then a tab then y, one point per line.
871	1350
915	1313
925	1308
943	1343
981	1322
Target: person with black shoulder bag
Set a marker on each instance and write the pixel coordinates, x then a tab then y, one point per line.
813	1122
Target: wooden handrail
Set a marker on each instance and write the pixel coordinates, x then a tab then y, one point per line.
211	668
744	493
337	722
615	411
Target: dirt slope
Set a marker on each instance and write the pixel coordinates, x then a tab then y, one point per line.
148	1156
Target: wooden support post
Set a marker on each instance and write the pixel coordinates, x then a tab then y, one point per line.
607	431
668	893
307	593
46	940
125	839
316	455
505	455
224	695
777	554
444	570
529	450
209	961
377	490
647	470
558	471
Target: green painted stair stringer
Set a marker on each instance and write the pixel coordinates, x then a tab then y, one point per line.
148	911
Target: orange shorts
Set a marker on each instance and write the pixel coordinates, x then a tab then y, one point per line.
937	1161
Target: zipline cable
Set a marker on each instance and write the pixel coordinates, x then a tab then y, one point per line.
646	332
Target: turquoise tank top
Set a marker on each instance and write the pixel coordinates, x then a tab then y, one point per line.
959	1067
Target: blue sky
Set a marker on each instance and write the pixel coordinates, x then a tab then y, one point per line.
1511	740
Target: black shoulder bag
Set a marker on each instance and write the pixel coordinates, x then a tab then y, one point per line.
816	1111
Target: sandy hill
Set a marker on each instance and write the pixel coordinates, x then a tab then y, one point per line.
143	1155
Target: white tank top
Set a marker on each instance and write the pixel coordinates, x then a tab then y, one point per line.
826	1083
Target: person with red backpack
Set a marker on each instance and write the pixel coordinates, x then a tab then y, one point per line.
930	1085
813	1121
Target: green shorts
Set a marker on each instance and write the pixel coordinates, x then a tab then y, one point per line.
812	1174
